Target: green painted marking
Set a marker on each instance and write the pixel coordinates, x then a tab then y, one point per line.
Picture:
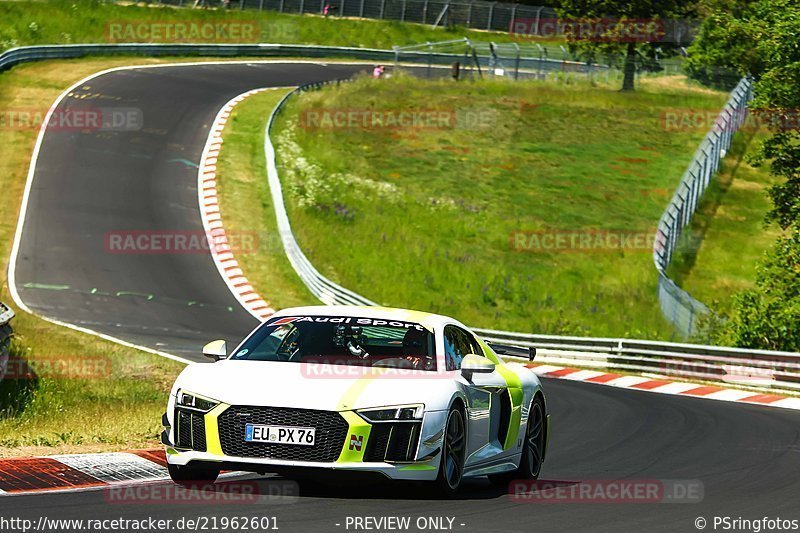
139	294
184	162
46	287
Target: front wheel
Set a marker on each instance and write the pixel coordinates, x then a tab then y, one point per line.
451	467
530	465
192	475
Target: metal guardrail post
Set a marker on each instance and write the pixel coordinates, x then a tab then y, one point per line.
491	16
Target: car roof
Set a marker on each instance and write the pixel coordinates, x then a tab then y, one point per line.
428	320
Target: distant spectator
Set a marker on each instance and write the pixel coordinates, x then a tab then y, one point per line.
377	72
326	10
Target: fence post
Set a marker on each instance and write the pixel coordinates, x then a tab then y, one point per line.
491	16
302	6
261	5
425	12
469	14
281	6
403	13
241	5
513	18
383	8
341	13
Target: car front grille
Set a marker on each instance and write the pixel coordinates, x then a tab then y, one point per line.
190	430
393	442
331	431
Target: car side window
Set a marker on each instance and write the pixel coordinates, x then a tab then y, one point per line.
472	344
457	345
453	348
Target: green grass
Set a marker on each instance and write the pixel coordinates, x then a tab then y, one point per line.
423	218
728	235
86	21
117	409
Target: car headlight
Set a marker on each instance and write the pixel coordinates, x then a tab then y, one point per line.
399	413
190	400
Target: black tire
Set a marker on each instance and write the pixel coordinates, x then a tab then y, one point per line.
454	447
192	475
530	465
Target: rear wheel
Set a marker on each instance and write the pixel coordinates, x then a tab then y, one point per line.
451	467
192	475
530	465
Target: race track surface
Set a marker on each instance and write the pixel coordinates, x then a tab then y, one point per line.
747	458
92	186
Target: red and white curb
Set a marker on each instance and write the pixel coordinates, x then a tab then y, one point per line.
210	214
80	471
665	386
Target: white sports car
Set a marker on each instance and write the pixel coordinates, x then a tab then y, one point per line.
405	394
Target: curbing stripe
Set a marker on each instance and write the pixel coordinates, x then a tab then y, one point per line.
208	200
664	386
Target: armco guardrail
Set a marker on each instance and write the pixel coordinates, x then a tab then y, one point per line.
677	305
779	371
6	314
25	54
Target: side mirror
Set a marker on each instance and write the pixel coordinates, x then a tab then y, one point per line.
475	364
216	350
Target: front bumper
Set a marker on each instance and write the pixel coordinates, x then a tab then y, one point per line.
364	447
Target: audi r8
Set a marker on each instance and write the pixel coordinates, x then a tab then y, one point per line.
405	394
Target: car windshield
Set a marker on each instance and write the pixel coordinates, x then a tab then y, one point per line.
341	341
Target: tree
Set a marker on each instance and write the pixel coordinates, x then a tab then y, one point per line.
644	26
761	42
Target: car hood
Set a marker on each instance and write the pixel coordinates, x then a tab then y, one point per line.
315	386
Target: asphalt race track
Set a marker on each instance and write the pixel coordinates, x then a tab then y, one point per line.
746	457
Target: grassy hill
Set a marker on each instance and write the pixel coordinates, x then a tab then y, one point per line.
456	219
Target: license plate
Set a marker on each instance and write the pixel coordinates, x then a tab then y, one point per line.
279	434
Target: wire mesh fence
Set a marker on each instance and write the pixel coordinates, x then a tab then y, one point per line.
677	305
477	14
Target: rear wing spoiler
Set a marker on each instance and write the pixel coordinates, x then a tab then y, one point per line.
6	314
528	353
